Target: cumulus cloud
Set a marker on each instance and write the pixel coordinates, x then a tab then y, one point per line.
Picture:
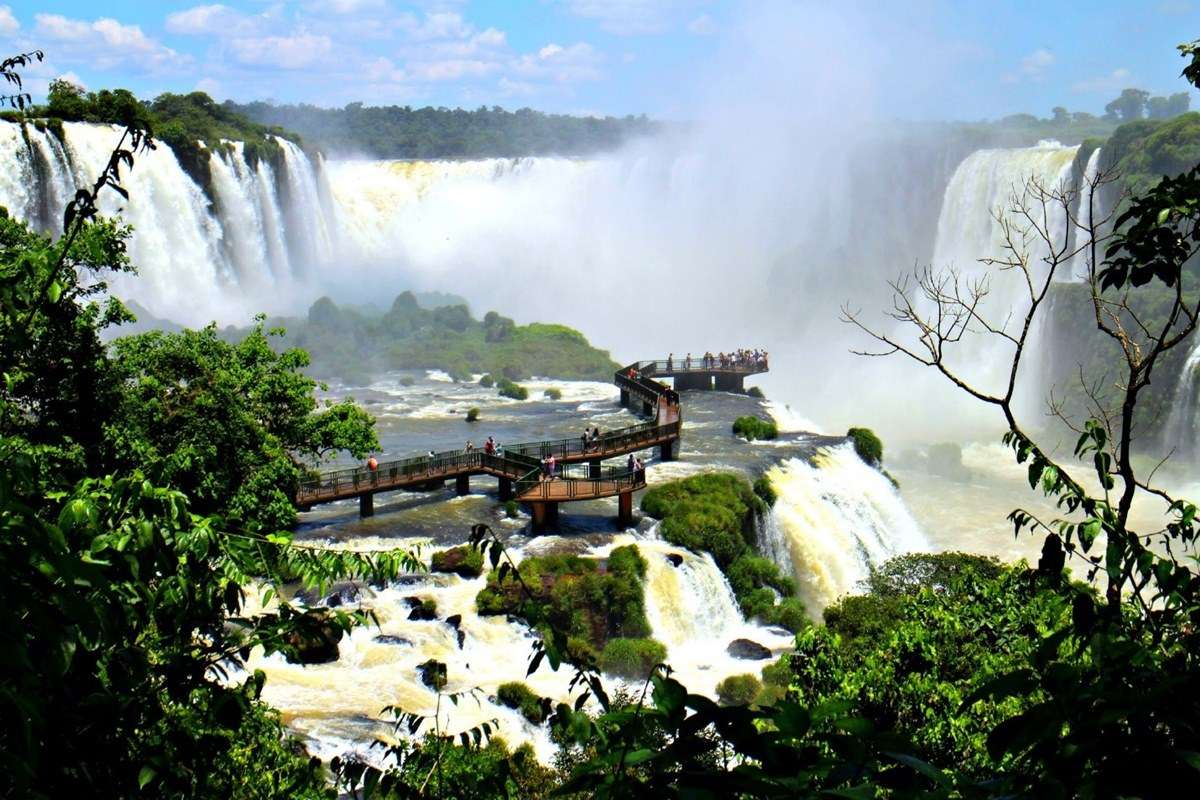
285	52
1114	81
579	61
105	43
8	22
213	19
1032	67
73	79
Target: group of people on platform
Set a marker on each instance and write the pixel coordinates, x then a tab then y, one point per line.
590	439
738	358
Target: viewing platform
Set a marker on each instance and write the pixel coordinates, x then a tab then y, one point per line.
579	475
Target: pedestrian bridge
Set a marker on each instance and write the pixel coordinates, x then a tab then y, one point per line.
581	474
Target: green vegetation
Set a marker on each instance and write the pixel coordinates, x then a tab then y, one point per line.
514	391
714	513
765	491
552	393
511	509
126	538
590	601
518	696
632	659
404	132
754	391
355	344
751	428
738	690
466	562
868	446
472	414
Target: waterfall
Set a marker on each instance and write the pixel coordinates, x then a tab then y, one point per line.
688	602
1089	209
1179	433
240	210
307	227
835	518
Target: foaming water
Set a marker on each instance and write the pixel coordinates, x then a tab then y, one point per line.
835	517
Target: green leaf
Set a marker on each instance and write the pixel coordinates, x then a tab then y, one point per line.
146	775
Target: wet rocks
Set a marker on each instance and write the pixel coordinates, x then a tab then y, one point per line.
676	559
392	639
455	621
463	561
433	674
315	640
746	649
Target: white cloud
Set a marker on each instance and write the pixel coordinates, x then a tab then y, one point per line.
105	43
511	87
702	26
204	19
8	23
579	61
383	70
73	79
453	69
285	52
354	6
210	87
1114	81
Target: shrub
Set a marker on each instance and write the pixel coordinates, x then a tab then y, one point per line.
472	414
513	390
867	445
789	613
632	658
552	393
738	690
765	491
487	381
777	673
464	561
711	513
752	428
754	391
517	695
510	509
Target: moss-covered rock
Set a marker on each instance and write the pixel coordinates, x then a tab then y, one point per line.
632	659
472	414
520	697
738	690
433	674
590	600
553	393
711	513
755	428
514	391
868	446
765	491
464	561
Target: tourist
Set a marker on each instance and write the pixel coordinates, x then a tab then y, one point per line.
630	463
470	446
639	471
552	463
670	362
687	362
372	464
584	442
432	454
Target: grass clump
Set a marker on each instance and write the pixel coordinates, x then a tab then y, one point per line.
755	428
590	600
754	391
511	510
472	414
517	695
765	491
553	393
464	561
508	388
487	381
868	446
738	690
632	658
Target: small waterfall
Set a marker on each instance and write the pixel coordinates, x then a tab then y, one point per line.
272	219
240	212
1179	434
1089	209
688	602
835	518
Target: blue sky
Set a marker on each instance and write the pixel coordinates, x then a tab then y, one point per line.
922	58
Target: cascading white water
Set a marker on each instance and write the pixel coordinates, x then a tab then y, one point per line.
307	220
1090	212
239	209
835	518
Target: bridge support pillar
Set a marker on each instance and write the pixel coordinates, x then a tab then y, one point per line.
647	408
625	398
462	485
694	382
625	509
545	515
366	505
731	383
594	469
506	489
668	451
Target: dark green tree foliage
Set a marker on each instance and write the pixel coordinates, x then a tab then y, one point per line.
352	345
227	424
738	690
123	608
1129	106
404	132
752	428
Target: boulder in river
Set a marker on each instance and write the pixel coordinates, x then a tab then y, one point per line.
315	640
389	638
676	559
744	648
455	621
433	674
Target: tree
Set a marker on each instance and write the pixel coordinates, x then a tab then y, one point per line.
1113	694
1168	107
1129	106
1061	115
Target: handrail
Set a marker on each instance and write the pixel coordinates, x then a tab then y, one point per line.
569	484
521	462
698	365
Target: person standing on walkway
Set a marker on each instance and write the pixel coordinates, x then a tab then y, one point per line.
552	464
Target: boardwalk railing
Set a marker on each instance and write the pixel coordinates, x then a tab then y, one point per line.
579	481
678	366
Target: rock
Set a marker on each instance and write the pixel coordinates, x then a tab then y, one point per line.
433	674
675	559
414	601
423	613
315	640
340	594
744	648
387	638
455	621
778	631
465	562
